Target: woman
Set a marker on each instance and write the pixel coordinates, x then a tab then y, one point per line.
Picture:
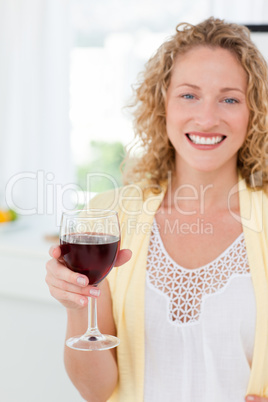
187	303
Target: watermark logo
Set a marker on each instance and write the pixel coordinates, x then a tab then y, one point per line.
47	197
38	193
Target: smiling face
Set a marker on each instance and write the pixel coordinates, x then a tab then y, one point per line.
206	109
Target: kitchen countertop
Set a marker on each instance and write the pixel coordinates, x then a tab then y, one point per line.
24	246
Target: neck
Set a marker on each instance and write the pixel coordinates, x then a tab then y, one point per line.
203	191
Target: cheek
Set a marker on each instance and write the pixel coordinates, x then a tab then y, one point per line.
240	126
175	118
244	129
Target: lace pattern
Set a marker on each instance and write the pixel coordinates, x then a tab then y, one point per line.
187	288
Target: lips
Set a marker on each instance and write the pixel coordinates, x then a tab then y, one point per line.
205	139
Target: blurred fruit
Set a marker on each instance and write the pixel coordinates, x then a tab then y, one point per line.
7	215
12	215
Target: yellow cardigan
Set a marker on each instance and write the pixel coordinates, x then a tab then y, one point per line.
136	212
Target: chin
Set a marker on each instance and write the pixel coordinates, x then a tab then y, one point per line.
206	167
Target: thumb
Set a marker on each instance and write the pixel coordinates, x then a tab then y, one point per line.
123	257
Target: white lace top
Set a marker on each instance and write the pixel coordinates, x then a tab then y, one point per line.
199	327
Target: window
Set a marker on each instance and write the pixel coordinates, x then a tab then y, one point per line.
112	41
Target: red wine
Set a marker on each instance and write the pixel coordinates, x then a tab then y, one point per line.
90	254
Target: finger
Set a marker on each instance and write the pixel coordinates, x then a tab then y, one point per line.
67	297
123	257
87	291
60	271
60	276
55	251
255	398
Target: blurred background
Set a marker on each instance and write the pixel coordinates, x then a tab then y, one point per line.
66	71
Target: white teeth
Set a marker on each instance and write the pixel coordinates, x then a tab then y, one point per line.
196	139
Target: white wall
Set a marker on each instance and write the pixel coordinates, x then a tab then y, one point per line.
31	352
35	43
32	323
261	40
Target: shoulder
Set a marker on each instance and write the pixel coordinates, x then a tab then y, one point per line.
254	208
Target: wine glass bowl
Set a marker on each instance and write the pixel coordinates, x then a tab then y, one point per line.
90	241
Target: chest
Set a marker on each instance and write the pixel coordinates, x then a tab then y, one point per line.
194	241
187	288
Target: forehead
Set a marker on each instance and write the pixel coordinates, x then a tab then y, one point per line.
206	60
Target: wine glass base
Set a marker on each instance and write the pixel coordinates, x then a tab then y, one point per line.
89	343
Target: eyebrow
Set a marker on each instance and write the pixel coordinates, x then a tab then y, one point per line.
232	89
225	89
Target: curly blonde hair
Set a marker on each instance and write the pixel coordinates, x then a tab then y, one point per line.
158	158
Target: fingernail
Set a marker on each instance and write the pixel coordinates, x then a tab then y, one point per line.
94	292
81	281
250	398
53	248
82	302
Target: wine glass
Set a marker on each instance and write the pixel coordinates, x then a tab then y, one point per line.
90	241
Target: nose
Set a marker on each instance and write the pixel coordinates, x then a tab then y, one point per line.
207	115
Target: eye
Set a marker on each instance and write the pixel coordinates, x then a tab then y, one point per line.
187	96
231	100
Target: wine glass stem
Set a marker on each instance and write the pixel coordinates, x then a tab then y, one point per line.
92	318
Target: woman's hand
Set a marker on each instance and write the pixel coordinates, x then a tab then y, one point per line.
254	398
70	288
